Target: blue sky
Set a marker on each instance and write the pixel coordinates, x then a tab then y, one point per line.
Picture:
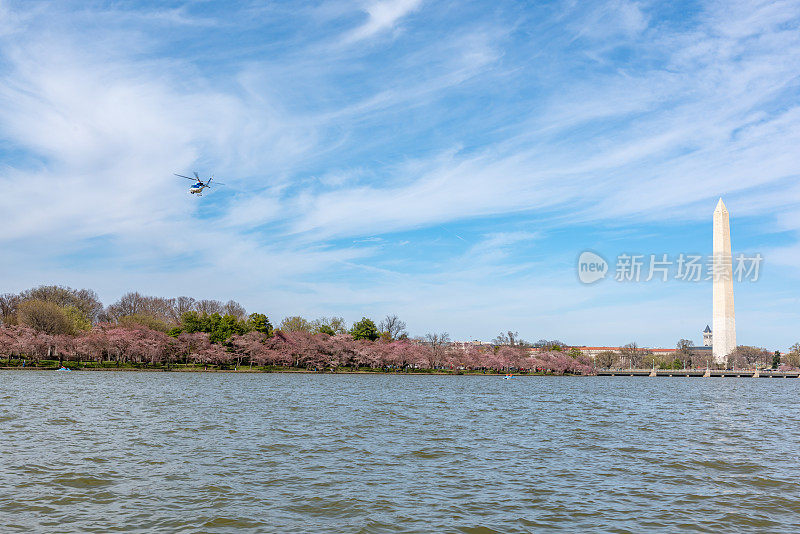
444	161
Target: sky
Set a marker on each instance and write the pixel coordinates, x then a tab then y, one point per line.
444	161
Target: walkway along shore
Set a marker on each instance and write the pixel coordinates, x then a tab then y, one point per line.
702	373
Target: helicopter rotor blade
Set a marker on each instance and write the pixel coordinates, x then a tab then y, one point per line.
182	176
196	176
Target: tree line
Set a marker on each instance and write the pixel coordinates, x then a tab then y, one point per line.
685	356
62	324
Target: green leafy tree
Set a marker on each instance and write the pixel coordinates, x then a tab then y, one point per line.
325	329
191	322
175	331
296	324
45	316
365	329
776	359
211	322
218	335
330	326
84	300
221	328
78	319
260	323
142	319
218	327
215	328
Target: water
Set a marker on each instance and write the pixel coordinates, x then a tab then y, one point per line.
190	452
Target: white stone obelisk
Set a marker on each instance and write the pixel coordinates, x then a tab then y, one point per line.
724	326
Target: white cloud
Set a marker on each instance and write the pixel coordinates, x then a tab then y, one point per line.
692	132
383	15
607	20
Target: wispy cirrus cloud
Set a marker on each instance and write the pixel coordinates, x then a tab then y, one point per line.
382	16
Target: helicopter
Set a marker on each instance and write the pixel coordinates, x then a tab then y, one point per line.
199	185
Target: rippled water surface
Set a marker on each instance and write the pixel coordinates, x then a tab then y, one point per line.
190	452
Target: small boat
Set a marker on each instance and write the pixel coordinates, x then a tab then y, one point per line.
64	369
507	377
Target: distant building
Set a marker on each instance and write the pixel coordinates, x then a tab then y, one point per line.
707	337
464	345
666	354
594	351
662	353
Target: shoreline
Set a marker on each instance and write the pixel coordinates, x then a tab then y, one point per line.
603	373
281	371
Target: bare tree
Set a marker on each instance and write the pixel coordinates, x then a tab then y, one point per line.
159	307
506	338
633	354
684	351
143	309
8	308
182	305
393	327
130	303
235	309
208	307
745	356
546	344
605	359
512	339
438	345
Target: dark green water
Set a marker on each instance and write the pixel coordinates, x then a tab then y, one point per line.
162	452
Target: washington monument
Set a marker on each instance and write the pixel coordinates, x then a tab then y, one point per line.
724	326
